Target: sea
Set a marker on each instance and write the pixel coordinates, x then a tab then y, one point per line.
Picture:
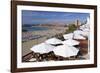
36	28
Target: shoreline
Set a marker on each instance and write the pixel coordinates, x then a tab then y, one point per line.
44	35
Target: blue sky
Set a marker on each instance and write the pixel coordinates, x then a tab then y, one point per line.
43	17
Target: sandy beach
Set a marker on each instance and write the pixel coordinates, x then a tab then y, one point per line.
44	35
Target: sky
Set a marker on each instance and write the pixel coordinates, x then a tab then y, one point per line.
48	17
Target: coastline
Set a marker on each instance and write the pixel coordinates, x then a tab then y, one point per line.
44	35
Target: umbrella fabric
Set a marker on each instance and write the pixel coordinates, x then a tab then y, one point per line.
65	51
68	36
42	48
87	25
88	20
53	41
83	27
71	42
83	33
80	37
78	32
86	30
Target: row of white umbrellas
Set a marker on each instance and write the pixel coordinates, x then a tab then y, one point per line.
79	34
69	42
75	35
67	49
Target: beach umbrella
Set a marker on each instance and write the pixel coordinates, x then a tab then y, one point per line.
80	32
88	20
68	36
85	33
71	42
53	41
86	30
80	37
87	25
65	51
83	27
42	48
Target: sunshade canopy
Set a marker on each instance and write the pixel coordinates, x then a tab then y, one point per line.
42	48
71	42
83	33
65	51
68	36
80	37
53	41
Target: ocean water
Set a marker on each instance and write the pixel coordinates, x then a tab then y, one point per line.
35	28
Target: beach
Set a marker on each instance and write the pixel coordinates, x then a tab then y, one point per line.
35	37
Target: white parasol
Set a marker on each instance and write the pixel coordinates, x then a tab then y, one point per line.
68	36
86	29
83	33
53	41
87	25
78	32
88	20
71	42
80	37
65	51
42	48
